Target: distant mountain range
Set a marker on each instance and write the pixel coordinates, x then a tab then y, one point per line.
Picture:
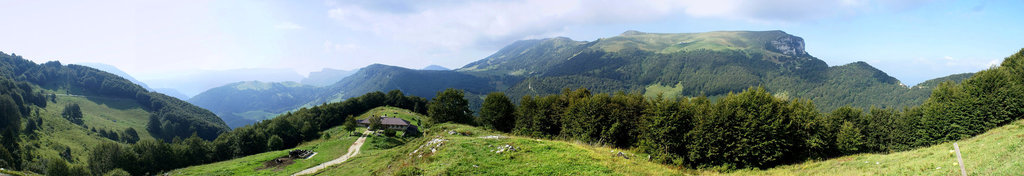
244	103
434	67
671	65
195	82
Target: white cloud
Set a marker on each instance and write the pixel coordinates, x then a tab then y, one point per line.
287	26
460	24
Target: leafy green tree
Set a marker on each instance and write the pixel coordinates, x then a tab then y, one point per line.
195	150
130	135
498	112
450	105
275	143
375	123
117	172
153	156
749	129
57	167
73	113
10	117
7	159
849	140
154	126
350	123
78	169
664	127
880	128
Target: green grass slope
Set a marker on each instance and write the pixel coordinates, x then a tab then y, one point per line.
467	152
473	151
57	135
327	149
996	152
334	144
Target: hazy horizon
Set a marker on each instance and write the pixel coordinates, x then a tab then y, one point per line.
911	40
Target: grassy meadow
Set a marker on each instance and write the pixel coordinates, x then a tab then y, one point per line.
57	135
473	151
327	149
996	152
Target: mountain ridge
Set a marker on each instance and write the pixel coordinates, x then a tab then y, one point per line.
680	64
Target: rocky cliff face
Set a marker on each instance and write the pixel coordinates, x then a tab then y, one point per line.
788	45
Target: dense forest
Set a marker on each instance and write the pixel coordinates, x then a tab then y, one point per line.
170	117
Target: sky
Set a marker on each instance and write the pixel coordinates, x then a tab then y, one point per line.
912	40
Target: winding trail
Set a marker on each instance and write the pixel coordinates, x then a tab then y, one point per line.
352	151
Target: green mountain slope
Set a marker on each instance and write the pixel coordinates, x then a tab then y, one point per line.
59	113
956	78
675	65
243	103
174	118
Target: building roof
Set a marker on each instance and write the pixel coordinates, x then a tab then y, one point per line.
388	121
393	121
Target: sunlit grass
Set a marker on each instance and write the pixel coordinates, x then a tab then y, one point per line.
56	133
472	155
996	152
327	149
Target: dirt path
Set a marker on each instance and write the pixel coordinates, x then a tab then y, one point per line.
352	151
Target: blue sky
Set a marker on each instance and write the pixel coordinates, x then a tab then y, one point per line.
912	40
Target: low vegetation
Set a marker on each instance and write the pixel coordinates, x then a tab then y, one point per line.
996	152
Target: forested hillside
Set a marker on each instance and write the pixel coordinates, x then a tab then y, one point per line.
674	65
171	117
54	115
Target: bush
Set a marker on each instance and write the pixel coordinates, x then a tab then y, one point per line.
117	172
409	171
